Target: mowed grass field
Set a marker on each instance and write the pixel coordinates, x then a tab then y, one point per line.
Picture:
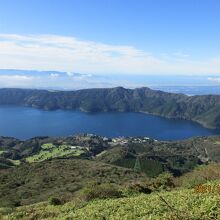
49	151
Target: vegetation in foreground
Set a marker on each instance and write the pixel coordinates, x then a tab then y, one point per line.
168	198
36	182
177	204
90	177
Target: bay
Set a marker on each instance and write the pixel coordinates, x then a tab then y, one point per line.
25	122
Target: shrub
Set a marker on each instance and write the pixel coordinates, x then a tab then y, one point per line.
54	201
199	175
102	191
164	181
136	188
16	203
5	211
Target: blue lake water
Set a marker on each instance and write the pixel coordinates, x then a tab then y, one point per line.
24	123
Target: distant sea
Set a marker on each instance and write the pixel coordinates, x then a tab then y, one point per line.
190	90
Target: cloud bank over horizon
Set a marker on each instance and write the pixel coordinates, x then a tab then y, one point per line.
69	54
56	80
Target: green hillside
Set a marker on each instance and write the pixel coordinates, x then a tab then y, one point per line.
91	177
36	182
184	204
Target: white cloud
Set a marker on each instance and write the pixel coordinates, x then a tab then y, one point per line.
214	79
70	74
15	80
51	52
54	75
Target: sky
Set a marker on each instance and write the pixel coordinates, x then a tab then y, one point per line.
111	37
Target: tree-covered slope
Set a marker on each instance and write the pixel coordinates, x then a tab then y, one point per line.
154	156
36	182
203	109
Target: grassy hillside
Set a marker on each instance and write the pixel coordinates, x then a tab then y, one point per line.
203	109
182	204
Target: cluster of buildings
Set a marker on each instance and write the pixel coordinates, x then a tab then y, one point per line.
126	140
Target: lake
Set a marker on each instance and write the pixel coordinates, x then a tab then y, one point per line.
24	123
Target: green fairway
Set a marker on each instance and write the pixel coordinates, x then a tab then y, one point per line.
49	151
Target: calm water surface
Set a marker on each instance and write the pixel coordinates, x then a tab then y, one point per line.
24	123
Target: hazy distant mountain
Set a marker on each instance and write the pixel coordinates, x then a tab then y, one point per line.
203	109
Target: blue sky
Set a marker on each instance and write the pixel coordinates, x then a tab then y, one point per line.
155	25
111	36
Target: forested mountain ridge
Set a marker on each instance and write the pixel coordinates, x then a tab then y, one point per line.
203	109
